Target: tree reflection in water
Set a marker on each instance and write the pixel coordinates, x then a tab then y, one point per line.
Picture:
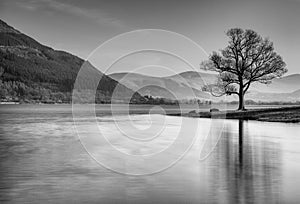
244	167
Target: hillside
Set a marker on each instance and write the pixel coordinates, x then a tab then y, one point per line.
267	96
286	84
174	87
188	84
30	71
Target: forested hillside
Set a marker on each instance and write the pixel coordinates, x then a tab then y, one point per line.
32	72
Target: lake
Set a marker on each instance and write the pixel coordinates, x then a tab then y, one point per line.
47	157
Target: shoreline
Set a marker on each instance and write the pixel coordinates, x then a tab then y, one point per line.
286	114
289	114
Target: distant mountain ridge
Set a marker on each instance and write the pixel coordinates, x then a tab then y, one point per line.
285	84
179	86
286	88
32	71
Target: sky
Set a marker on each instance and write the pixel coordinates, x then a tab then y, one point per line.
79	27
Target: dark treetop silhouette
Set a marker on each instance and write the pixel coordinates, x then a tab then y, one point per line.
248	58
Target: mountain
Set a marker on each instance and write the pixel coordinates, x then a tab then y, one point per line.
281	89
269	97
194	79
286	84
30	71
286	89
296	93
182	86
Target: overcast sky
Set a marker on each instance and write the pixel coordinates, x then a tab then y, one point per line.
81	26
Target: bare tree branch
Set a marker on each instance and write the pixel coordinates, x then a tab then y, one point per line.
248	58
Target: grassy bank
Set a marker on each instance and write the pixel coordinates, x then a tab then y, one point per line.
282	114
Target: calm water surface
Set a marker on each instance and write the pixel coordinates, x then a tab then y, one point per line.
43	161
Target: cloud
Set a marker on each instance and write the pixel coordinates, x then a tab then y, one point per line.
96	15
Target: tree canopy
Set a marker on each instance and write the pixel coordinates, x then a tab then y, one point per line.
248	58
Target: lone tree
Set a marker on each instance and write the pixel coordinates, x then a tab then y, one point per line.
248	58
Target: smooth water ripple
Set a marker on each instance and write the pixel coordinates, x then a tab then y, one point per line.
43	161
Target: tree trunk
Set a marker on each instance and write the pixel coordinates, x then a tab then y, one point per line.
241	136
241	101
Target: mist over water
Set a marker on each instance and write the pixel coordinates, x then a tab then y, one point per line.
42	160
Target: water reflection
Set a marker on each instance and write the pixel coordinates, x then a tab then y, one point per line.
41	161
244	169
